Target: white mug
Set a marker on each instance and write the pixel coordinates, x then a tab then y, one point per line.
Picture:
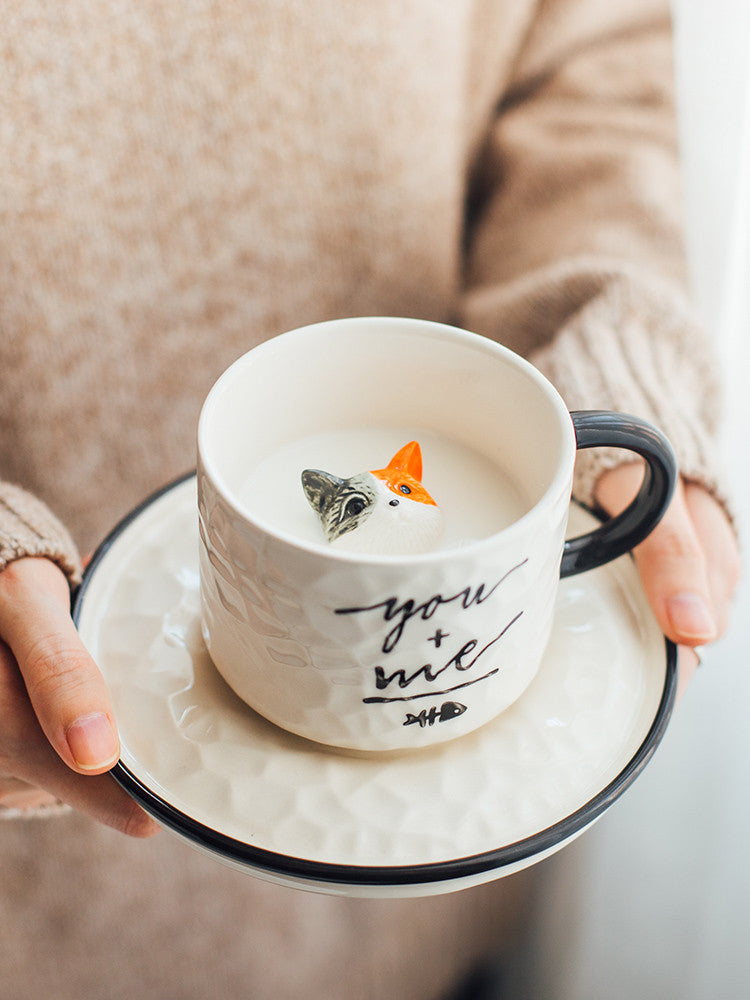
389	652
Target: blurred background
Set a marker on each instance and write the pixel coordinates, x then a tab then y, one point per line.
653	901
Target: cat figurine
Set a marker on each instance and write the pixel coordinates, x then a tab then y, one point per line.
384	512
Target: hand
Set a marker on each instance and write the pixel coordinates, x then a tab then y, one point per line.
689	564
57	730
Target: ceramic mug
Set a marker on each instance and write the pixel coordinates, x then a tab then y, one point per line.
387	652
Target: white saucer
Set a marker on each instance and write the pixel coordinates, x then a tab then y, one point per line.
221	777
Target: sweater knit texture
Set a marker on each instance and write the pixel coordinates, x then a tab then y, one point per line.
181	181
179	185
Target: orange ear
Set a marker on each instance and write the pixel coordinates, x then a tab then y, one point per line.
403	474
408	459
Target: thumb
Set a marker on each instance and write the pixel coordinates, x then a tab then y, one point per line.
67	692
671	562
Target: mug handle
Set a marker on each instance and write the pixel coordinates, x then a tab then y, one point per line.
603	428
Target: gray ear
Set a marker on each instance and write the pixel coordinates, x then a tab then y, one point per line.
320	488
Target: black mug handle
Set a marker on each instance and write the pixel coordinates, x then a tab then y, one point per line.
602	428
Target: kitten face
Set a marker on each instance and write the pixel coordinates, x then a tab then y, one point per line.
385	512
341	504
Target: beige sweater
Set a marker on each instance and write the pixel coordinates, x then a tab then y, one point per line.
179	182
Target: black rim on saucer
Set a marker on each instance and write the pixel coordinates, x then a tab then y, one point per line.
302	869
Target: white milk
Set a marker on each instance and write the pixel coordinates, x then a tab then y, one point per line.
476	497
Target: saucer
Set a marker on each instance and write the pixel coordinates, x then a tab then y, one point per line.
228	782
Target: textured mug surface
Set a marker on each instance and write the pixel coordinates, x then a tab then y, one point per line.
379	653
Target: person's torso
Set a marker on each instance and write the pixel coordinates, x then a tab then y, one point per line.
180	182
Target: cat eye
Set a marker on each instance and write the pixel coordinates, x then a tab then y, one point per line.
404	488
354	506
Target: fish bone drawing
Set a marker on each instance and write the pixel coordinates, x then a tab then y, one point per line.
447	711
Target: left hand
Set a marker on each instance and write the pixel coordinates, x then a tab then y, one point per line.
689	564
57	733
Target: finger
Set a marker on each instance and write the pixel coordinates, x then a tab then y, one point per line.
64	685
719	542
17	794
33	774
671	562
97	796
673	569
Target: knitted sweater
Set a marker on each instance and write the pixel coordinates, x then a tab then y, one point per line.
181	181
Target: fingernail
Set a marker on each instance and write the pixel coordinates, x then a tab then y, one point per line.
690	617
93	742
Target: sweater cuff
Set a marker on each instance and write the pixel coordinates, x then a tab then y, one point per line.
41	812
635	353
28	528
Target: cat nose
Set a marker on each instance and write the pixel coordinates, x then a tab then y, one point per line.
393	503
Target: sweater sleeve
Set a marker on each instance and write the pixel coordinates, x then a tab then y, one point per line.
29	528
574	245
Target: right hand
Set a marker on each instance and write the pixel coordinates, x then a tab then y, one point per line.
689	564
57	732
